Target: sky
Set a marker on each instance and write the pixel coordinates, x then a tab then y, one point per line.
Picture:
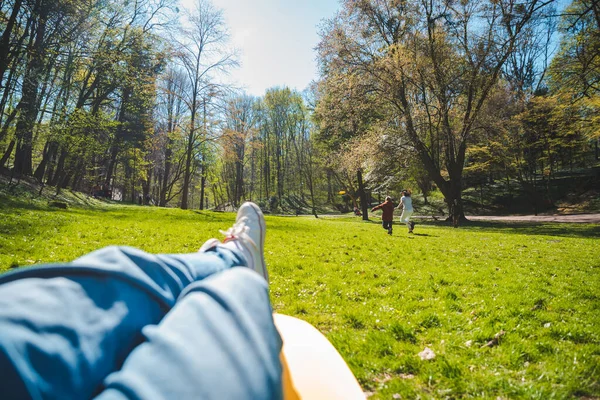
276	40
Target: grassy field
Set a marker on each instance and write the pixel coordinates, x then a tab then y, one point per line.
383	299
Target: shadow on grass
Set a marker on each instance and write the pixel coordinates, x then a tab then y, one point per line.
30	200
424	234
372	221
527	228
14	224
208	215
9	203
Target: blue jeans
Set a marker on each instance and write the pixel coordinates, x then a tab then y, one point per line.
120	323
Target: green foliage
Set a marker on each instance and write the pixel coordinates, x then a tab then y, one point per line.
542	134
575	71
85	134
576	67
266	150
382	299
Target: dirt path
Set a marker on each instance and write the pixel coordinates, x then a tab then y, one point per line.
575	218
572	219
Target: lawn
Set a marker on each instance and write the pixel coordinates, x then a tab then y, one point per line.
383	299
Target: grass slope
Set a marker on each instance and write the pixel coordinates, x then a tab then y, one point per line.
382	299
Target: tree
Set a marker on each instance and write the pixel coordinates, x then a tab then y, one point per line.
8	52
347	110
50	20
282	120
75	61
202	53
576	67
135	114
433	63
575	71
170	116
240	118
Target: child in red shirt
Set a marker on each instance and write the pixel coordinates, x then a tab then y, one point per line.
388	213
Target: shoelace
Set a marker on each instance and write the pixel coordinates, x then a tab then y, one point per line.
238	230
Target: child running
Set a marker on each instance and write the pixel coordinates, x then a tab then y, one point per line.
407	210
388	213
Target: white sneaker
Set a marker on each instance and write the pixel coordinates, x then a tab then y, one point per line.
248	236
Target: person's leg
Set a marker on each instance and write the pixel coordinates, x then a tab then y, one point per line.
388	226
409	224
65	327
218	342
403	217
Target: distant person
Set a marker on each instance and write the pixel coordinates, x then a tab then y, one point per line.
407	210
387	218
357	211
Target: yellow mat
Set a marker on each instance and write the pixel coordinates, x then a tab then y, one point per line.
312	367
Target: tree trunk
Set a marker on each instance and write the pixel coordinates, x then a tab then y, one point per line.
146	187
51	166
111	165
49	154
312	195
9	88
330	196
187	175
239	182
165	178
5	39
266	173
29	100
60	169
65	180
451	188
7	153
202	186
6	125
279	175
188	171
78	174
41	168
455	209
363	196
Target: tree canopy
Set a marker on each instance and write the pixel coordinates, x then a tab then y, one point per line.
127	101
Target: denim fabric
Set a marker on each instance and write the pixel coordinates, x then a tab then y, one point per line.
121	323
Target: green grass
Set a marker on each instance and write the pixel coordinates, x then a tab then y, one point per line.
381	300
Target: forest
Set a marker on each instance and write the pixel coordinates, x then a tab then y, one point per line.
482	102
